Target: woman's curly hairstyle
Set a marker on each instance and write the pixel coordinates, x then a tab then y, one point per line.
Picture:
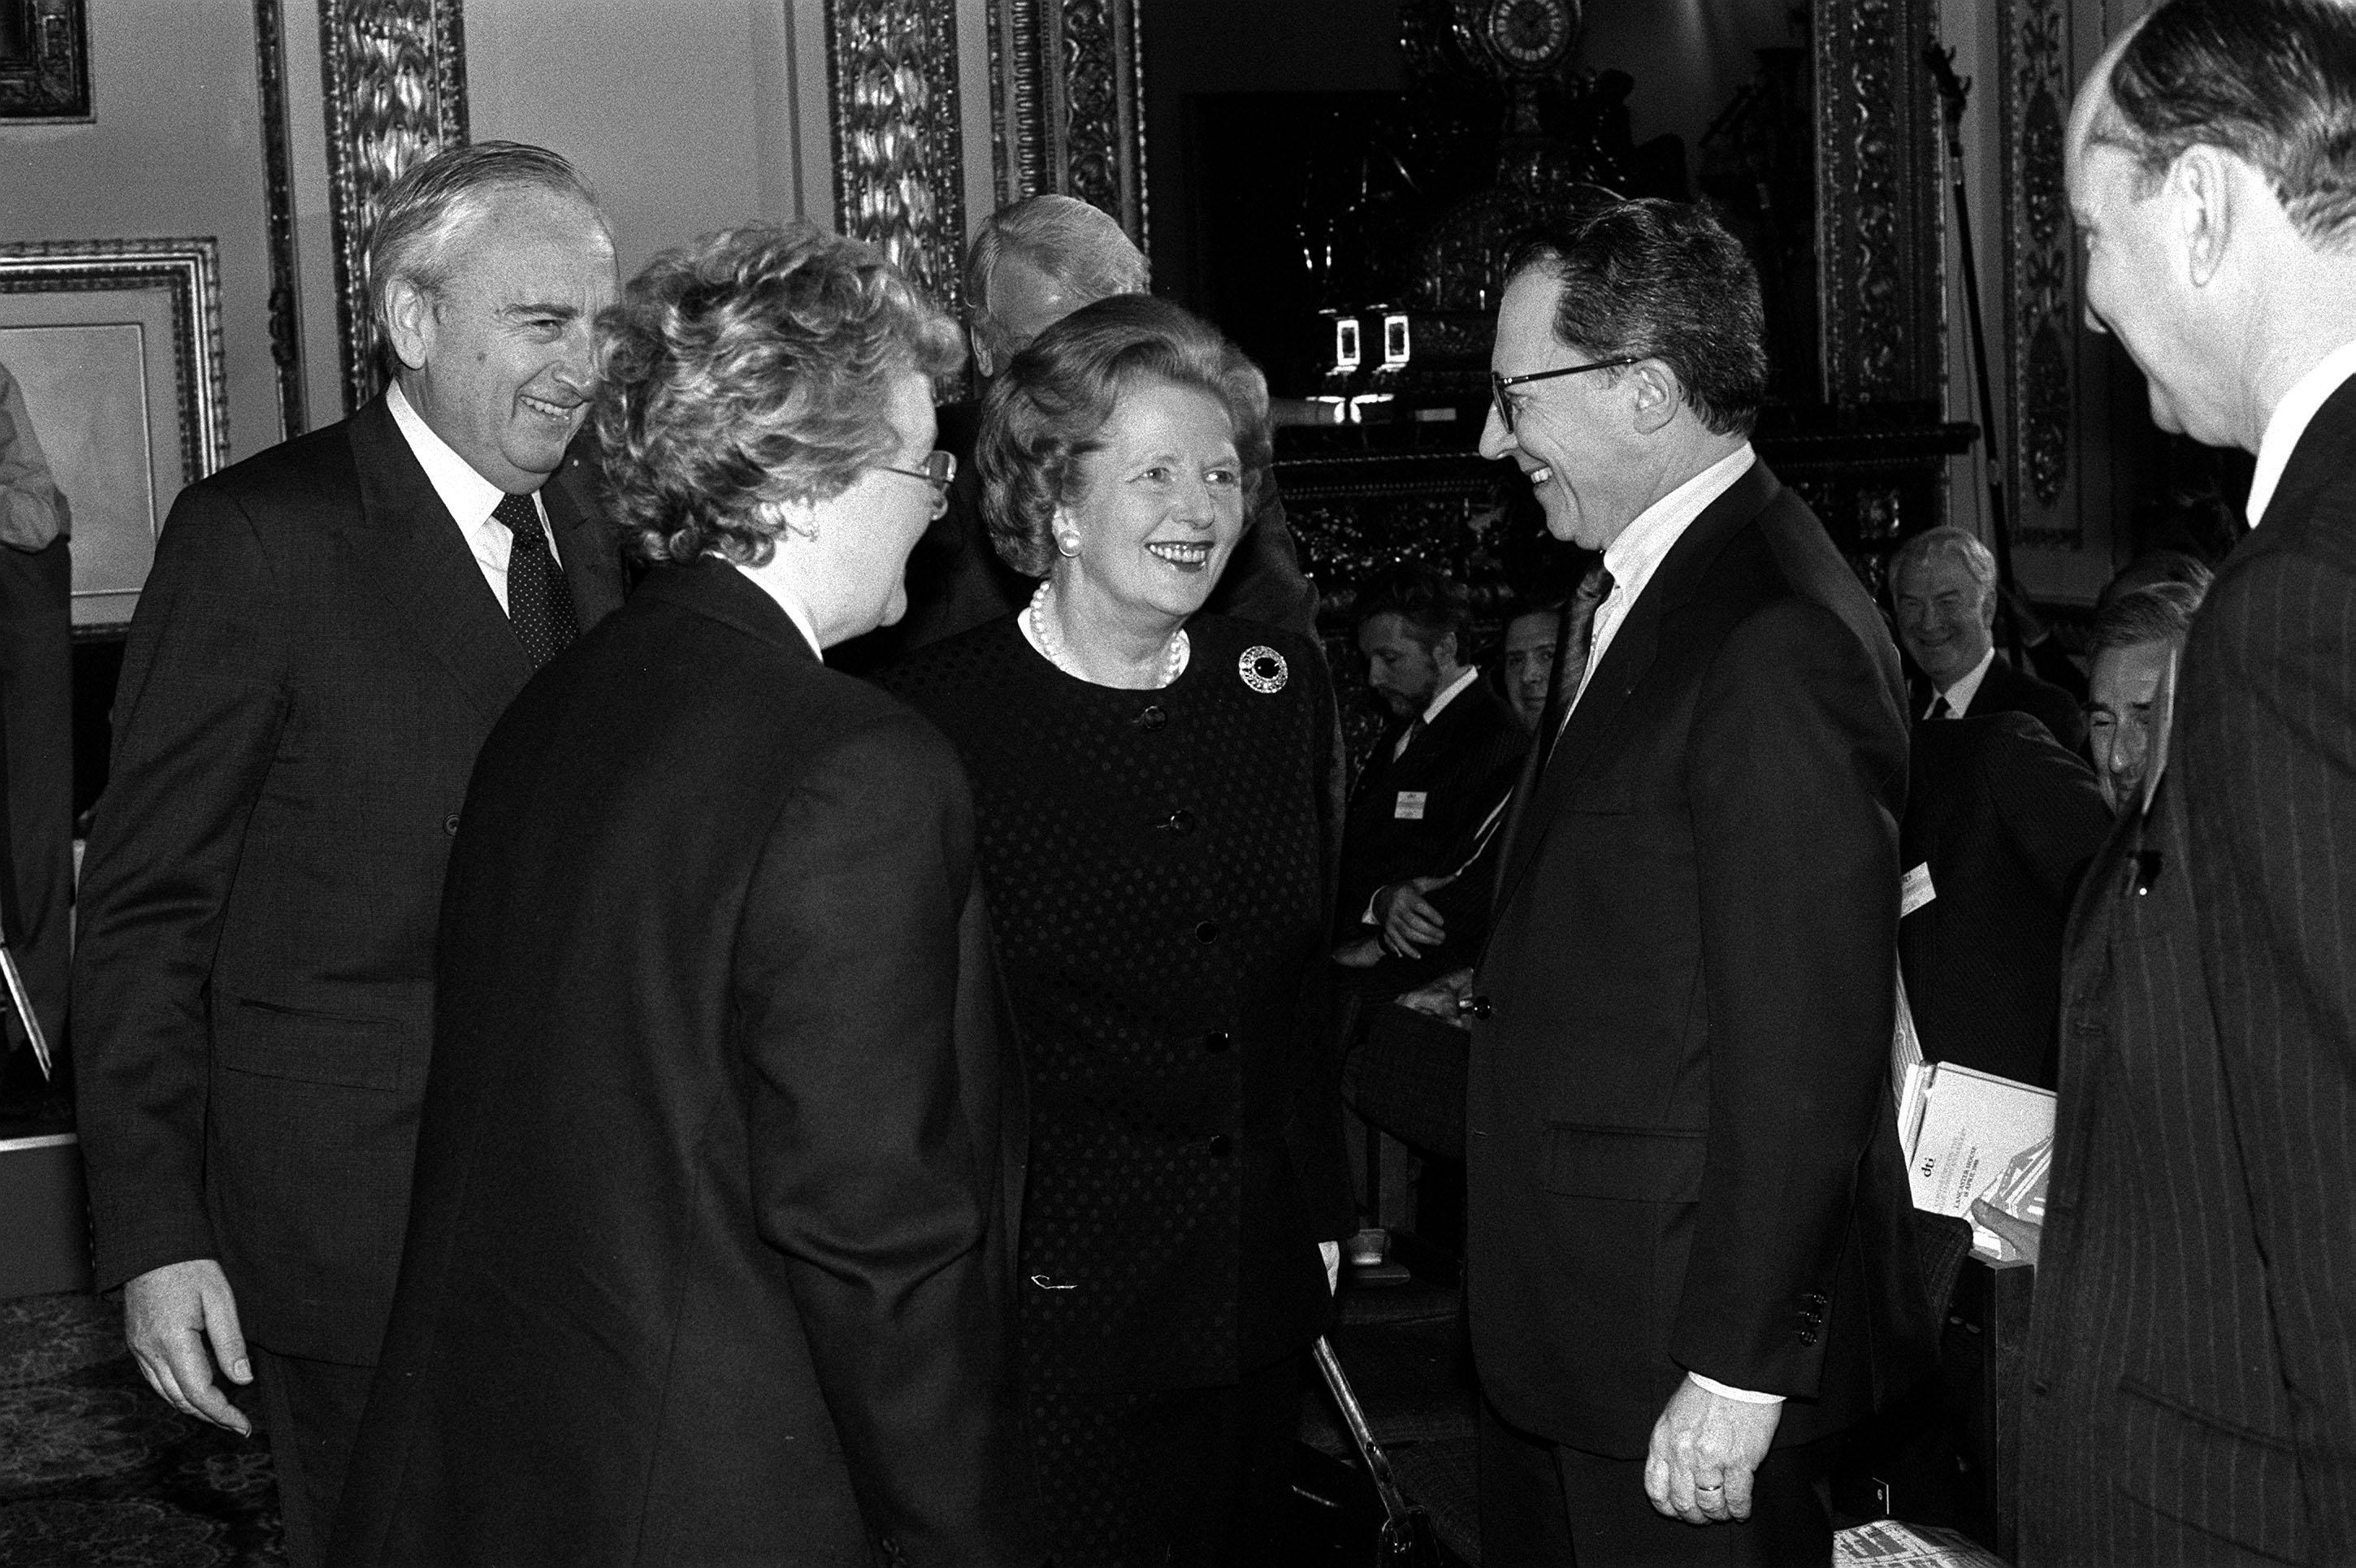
748	370
1049	408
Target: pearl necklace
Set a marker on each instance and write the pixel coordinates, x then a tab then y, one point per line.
1173	663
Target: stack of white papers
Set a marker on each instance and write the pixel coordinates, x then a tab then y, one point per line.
1970	1135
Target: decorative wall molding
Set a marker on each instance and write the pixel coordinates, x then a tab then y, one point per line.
898	165
1878	202
278	179
1067	104
395	78
2040	334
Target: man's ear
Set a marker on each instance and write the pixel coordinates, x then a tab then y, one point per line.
1989	597
1446	651
2201	185
1658	394
410	313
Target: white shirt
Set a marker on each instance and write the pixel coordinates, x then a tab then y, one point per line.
1959	696
1632	558
788	601
2291	418
469	498
1447	695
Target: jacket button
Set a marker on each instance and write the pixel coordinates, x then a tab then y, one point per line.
1808	1336
1152	719
1180	822
1220	1143
450	824
1216	1041
1476	1008
1207	932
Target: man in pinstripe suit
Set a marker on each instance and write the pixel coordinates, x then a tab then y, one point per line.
2193	1369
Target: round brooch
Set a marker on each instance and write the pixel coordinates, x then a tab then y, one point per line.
1263	669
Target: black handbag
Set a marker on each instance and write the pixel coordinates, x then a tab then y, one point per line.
1405	1540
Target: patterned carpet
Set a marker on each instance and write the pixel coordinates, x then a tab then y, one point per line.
98	1472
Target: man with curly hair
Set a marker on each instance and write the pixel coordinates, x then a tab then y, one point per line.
331	628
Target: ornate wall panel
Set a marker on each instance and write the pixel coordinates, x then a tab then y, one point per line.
1878	195
898	168
1066	103
278	175
2041	341
395	78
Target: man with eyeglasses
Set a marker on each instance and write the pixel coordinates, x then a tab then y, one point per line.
1688	1258
1031	265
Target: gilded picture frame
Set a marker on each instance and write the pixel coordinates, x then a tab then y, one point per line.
116	346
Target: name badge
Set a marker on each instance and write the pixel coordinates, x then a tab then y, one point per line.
1915	891
1410	806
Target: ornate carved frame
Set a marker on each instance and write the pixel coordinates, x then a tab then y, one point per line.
278	177
1066	103
395	79
899	166
2042	338
51	87
1878	195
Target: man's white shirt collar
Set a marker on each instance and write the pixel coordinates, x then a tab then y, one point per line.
1448	693
1644	544
2291	418
466	496
1959	696
1470	673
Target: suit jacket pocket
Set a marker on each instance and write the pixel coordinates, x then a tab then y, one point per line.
2210	1473
271	1041
1651	1164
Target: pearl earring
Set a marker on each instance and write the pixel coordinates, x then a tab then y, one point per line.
1067	545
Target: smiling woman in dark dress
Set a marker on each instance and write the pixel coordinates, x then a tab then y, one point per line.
1155	793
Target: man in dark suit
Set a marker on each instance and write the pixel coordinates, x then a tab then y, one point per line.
36	718
712	1252
2192	1361
2136	641
1688	1264
1943	581
1434	787
2001	822
330	630
1030	265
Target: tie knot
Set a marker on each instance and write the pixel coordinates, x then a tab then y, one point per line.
521	518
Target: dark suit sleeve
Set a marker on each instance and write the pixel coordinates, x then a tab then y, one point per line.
1313	1133
196	719
864	1174
2268	765
1263	581
1796	762
2051	808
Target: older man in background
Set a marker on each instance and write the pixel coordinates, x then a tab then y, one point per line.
2134	647
1943	584
330	630
2192	1360
1030	265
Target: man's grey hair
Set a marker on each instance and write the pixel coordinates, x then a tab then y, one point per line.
2161	612
1084	249
432	203
1945	541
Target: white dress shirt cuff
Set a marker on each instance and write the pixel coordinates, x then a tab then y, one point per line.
1746	1395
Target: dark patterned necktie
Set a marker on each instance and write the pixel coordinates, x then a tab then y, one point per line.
1562	683
539	607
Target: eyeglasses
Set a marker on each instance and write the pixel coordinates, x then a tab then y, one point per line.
1497	383
940	471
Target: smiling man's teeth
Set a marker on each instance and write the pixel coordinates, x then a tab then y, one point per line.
553	410
1181	554
1540	475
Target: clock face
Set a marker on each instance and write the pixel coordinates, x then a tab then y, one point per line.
1531	32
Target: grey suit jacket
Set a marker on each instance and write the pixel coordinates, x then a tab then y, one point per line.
314	661
2193	1364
